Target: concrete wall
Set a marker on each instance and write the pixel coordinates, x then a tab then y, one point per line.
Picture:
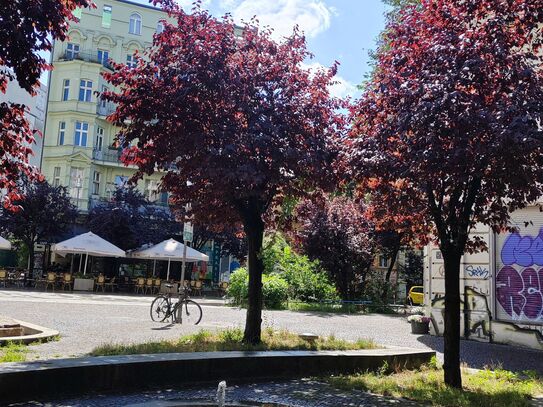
502	287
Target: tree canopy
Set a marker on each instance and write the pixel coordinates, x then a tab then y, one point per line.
233	119
452	120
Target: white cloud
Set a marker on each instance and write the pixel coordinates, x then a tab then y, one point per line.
188	4
342	88
312	16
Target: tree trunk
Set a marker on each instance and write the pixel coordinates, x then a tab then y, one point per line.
30	247
254	229
451	335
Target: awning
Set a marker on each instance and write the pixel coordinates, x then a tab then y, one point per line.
90	244
4	244
169	250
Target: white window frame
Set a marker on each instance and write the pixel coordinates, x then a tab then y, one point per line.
76	182
131	60
81	133
96	183
61	133
134	26
85	90
72	50
159	27
383	261
103	102
65	90
56	176
99	138
104	58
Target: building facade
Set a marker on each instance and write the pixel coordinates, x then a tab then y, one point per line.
35	114
502	288
78	150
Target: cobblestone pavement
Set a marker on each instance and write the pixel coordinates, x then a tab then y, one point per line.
88	320
292	393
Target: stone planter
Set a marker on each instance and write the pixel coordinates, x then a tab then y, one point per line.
419	328
83	284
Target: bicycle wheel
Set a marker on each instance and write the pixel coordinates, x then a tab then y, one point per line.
160	308
191	312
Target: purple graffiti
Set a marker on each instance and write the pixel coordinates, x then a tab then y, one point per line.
523	250
520	293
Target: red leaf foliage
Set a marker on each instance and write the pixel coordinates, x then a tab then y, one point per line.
235	120
449	129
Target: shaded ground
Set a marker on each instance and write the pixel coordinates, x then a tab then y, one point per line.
88	320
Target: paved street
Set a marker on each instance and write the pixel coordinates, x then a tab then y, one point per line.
88	320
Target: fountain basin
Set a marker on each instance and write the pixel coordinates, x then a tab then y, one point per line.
13	330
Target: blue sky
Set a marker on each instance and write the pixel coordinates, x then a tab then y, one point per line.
342	30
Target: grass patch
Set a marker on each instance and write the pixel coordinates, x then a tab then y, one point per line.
485	388
13	352
231	340
324	307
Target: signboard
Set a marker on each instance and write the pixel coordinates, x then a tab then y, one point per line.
187	232
216	262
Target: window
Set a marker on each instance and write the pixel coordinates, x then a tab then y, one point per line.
135	24
77	13
85	90
99	139
96	183
383	261
418	290
56	177
151	190
159	27
106	16
61	133
103	101
131	61
76	182
81	133
120	181
103	57
72	50
66	90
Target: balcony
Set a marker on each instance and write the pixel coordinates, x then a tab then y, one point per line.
107	155
104	109
86	57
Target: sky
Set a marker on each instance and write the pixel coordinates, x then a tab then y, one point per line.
342	30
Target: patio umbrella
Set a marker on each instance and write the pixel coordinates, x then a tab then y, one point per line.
88	244
4	244
169	250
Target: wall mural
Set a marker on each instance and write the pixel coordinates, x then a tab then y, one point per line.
519	283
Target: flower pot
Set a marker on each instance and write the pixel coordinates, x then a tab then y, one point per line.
419	328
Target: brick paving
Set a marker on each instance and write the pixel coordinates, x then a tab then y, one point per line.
89	320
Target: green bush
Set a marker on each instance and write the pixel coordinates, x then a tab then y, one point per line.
306	280
274	289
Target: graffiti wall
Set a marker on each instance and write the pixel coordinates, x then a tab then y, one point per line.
519	282
502	289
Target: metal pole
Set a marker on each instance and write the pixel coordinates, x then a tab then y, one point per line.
154	267
184	262
86	261
168	273
80	261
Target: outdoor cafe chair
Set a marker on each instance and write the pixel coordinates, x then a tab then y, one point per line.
3	277
101	283
51	280
223	286
140	285
149	285
197	289
67	281
156	286
112	284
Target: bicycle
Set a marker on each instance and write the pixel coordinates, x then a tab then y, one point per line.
186	309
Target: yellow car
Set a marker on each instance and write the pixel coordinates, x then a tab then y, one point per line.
416	295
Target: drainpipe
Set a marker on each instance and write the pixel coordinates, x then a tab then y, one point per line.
47	105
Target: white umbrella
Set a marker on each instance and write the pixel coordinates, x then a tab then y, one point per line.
169	250
88	244
4	244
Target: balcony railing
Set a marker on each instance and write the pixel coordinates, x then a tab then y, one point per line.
104	110
85	56
112	156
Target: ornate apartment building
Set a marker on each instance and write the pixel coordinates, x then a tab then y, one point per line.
78	140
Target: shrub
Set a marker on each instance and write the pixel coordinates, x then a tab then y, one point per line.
274	289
